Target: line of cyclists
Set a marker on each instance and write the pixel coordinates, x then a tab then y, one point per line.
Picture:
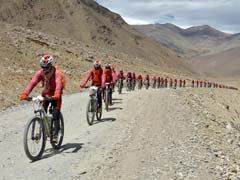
206	84
53	83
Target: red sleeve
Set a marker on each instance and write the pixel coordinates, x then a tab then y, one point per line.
103	80
35	80
115	78
58	81
87	77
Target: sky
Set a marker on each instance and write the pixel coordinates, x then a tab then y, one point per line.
223	15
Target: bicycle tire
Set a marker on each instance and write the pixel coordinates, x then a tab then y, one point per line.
106	100
90	110
61	126
25	139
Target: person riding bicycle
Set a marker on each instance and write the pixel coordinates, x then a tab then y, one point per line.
166	82
158	82
140	79
180	83
129	79
121	75
171	83
95	74
154	80
133	80
162	82
107	78
52	84
184	83
147	80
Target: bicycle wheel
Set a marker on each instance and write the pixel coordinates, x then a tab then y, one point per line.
34	139
90	112
98	113
119	87
57	145
106	100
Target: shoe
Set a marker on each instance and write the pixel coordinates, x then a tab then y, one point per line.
55	139
110	104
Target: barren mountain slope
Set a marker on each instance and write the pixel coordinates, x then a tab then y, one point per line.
212	52
225	63
194	41
75	32
87	21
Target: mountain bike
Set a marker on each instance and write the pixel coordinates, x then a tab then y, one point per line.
107	96
39	128
133	84
139	84
154	85
120	85
92	106
128	84
147	84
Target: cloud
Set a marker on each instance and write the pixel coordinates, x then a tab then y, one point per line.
221	14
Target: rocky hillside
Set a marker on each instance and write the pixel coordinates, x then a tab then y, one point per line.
210	50
189	42
75	32
88	22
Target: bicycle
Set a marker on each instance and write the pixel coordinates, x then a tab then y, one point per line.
147	84
107	96
133	84
154	85
92	106
120	85
39	128
139	84
128	84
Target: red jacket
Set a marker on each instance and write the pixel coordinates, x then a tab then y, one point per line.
147	78
96	75
114	75
121	76
139	77
56	86
107	78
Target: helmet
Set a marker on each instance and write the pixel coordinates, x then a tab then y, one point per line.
97	64
107	66
46	61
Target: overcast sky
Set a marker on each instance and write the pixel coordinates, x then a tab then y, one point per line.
221	14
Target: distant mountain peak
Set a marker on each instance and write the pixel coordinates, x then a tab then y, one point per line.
204	30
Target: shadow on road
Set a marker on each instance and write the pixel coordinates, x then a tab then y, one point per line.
74	147
114	108
117	99
104	120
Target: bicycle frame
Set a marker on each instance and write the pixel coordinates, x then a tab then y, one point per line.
41	113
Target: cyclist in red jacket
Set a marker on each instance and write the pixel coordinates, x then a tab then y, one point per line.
95	75
140	79
107	78
52	84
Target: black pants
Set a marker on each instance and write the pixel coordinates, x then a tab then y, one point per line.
55	113
99	97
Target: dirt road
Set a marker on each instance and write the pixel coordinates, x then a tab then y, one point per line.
155	134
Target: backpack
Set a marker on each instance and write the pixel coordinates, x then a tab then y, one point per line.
63	79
